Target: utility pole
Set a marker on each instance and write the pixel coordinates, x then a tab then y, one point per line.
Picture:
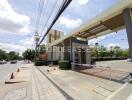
37	37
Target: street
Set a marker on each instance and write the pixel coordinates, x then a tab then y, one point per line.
6	69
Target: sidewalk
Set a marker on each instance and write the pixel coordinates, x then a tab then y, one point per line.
42	89
29	84
17	87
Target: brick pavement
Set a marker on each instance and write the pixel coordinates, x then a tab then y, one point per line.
107	73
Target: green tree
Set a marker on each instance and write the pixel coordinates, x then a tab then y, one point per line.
125	53
93	52
102	51
3	55
111	52
117	51
12	55
29	54
42	48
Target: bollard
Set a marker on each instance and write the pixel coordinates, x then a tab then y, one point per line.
54	69
18	70
131	75
12	76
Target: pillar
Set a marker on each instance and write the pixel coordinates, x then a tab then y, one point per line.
128	25
52	53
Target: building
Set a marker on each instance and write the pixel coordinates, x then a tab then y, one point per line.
52	36
71	48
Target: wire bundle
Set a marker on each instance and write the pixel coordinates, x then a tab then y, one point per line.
48	15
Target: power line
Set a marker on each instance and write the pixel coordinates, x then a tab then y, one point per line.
48	17
39	12
64	6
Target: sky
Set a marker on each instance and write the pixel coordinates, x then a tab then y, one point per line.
17	22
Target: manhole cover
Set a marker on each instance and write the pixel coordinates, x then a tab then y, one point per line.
102	91
16	94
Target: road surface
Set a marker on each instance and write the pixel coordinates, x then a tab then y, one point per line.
6	69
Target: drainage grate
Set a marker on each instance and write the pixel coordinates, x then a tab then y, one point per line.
102	91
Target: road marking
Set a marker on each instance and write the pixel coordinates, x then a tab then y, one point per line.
130	97
117	91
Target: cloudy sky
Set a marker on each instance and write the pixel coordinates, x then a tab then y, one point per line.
17	22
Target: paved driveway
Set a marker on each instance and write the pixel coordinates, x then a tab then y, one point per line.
81	86
117	64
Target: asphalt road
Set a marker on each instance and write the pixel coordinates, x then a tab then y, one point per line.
6	69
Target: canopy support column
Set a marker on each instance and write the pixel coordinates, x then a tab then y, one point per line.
128	24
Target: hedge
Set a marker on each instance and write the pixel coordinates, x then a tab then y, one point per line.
64	64
42	62
108	58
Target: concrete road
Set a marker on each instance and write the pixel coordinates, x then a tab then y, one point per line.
6	69
122	65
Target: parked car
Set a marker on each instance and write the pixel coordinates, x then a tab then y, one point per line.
2	62
13	61
129	60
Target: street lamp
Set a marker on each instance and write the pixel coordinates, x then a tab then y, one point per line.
96	45
36	37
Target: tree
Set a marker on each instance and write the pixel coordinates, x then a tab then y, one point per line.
3	55
111	52
117	51
42	48
93	52
102	51
125	53
12	55
29	54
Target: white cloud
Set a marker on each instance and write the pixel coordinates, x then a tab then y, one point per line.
70	23
113	45
12	47
28	42
83	2
11	21
20	47
101	38
95	40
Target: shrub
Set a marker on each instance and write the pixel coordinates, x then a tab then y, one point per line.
40	63
64	64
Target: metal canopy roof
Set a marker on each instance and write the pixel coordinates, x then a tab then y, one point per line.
108	21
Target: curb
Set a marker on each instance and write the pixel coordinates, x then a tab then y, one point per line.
7	77
67	96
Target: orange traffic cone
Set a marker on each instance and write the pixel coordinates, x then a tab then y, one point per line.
12	76
18	70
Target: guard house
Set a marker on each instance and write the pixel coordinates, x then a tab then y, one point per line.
74	50
71	48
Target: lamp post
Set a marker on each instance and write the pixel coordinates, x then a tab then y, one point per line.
96	45
36	37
